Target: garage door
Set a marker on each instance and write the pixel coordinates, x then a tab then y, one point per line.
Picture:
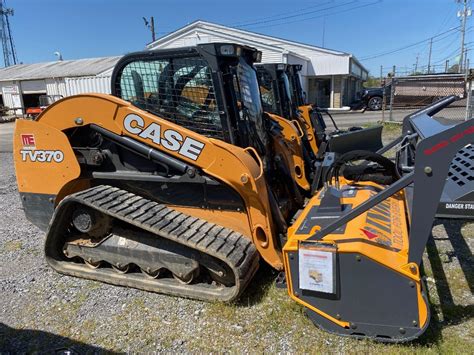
33	86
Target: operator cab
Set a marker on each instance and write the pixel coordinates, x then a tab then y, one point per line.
210	89
276	90
295	84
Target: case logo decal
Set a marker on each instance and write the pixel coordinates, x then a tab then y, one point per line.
171	140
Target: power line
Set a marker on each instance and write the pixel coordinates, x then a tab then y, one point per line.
283	15
267	21
408	46
297	15
322	15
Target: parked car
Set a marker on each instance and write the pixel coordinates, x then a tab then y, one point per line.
372	98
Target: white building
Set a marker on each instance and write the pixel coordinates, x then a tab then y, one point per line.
22	84
330	78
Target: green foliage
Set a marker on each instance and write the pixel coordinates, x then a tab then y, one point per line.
372	82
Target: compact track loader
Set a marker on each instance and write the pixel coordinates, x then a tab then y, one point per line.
457	199
282	96
336	140
179	183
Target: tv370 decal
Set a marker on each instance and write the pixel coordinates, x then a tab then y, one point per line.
30	153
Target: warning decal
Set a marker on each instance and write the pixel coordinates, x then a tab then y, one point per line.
316	269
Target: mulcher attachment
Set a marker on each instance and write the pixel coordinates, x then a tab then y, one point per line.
353	256
457	199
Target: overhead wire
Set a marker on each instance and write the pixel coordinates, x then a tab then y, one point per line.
322	15
297	15
304	10
408	46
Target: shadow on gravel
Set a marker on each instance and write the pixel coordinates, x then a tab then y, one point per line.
35	341
258	287
461	250
452	313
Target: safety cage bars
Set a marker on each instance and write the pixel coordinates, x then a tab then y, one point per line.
178	89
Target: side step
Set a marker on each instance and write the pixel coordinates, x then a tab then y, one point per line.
228	248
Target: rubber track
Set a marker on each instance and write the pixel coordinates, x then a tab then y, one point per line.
230	247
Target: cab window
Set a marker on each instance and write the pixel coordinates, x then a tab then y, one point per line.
179	90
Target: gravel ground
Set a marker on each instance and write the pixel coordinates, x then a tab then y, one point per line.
42	311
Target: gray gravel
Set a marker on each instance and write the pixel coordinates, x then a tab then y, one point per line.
42	311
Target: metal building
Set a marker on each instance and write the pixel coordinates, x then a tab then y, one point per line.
330	78
21	85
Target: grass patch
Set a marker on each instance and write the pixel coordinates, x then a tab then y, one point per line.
13	245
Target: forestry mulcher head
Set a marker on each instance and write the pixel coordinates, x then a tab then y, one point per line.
353	258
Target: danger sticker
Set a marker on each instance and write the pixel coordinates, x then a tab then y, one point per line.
316	270
28	141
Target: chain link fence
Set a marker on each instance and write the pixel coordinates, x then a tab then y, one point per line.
404	95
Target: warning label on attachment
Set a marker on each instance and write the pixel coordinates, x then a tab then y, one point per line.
316	270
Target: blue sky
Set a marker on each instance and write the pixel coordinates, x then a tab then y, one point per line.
93	28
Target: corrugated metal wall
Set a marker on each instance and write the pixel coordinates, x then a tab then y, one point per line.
86	84
56	87
11	94
268	56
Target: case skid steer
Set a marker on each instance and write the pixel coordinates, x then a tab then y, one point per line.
282	95
457	199
178	183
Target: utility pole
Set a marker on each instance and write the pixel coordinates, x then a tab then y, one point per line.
416	64
429	55
446	66
381	74
466	60
151	26
463	14
392	92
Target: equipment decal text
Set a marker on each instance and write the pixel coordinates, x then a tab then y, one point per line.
42	156
171	140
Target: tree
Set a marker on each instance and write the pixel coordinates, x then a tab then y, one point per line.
454	68
372	82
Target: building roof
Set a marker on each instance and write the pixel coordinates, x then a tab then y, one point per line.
320	61
58	69
268	40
